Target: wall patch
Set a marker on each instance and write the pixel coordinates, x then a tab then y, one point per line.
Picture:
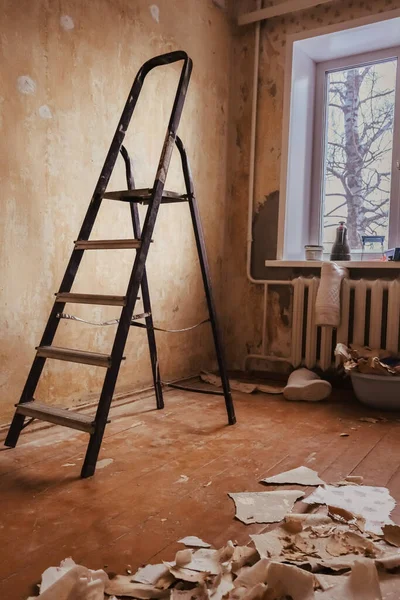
45	112
155	12
26	85
67	22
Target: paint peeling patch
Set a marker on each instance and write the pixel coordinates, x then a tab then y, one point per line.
45	112
26	85
265	234
67	23
155	12
279	326
105	462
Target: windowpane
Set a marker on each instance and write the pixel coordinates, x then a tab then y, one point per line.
358	153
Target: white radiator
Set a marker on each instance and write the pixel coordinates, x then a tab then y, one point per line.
370	316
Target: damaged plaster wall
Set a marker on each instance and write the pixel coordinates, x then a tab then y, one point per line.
66	70
244	301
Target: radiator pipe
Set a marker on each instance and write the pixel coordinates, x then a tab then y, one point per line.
253	141
252	171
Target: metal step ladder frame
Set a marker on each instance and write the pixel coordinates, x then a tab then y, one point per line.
110	379
151	338
205	271
138	279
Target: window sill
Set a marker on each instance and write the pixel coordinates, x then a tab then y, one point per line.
351	264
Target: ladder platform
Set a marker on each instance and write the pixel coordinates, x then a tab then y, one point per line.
78	356
59	416
143	196
123	244
91	299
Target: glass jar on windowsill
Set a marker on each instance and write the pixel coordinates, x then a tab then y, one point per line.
313	252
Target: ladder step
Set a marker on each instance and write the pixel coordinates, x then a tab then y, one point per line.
59	416
107	244
78	356
143	196
91	299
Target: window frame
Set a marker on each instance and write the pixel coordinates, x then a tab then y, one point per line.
319	144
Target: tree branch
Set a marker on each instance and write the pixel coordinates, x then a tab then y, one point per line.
335	209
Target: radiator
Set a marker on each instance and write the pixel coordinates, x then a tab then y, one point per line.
370	317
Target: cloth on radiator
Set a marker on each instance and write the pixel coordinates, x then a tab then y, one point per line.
327	305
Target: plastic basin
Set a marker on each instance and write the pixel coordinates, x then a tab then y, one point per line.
377	391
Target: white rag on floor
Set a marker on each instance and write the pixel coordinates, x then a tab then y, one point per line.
327	305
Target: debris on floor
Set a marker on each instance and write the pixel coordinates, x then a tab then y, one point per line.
367	360
374	504
150	574
332	545
240	386
194	542
329	561
264	507
122	585
182	479
204	560
391	533
301	476
105	462
72	582
345	549
351	480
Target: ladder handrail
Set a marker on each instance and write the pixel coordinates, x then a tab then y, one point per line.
119	135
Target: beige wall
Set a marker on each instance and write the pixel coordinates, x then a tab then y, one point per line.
243	301
54	141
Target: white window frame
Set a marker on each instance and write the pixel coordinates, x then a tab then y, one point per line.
305	50
318	166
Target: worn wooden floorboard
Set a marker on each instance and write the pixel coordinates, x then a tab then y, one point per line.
135	509
32	453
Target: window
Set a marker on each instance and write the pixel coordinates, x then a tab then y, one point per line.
341	139
356	151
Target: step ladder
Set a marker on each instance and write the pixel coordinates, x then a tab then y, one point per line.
30	408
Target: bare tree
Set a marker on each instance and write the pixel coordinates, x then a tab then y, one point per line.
361	115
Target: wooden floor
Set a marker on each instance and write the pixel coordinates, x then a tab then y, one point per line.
137	506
